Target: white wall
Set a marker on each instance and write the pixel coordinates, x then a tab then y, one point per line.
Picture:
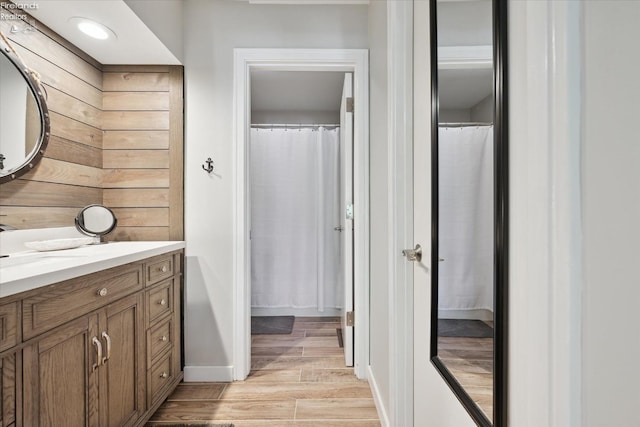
611	214
575	206
295	117
483	111
456	115
212	30
379	201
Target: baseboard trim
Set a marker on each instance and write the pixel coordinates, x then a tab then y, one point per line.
195	374
377	399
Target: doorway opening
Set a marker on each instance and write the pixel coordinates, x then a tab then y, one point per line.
298	249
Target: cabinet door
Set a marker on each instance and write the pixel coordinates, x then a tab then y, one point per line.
122	379
8	388
59	380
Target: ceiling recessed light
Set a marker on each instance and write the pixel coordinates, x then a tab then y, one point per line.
92	28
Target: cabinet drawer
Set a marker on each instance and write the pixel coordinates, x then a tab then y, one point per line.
8	325
161	375
160	338
159	268
71	299
160	301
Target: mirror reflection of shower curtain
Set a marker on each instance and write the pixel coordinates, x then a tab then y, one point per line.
295	251
465	192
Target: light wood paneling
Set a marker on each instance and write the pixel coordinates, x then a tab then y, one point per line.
42	195
73	108
51	50
136	82
131	159
136	178
136	140
27	217
72	152
74	130
126	234
148	101
135	120
70	175
143	150
117	139
136	197
56	171
176	153
55	75
142	217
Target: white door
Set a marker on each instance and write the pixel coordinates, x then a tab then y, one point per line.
434	404
346	214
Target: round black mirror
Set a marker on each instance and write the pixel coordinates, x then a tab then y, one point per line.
96	220
24	128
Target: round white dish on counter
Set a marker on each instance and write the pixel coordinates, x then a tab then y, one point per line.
59	244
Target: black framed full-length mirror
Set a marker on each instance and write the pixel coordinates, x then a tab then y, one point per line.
469	205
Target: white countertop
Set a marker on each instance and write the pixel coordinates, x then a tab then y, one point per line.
24	271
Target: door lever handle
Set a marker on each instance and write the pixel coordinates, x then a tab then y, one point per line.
338	228
413	254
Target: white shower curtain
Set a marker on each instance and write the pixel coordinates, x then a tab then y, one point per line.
465	277
295	251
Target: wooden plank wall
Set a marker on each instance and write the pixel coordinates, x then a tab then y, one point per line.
117	139
70	174
142	157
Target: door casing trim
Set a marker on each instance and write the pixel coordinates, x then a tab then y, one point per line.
347	60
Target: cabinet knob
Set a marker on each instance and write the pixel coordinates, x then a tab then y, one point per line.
162	302
164	269
102	292
164	338
163	375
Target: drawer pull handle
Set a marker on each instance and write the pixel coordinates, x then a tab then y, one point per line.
164	338
98	345
164	269
162	302
103	292
107	339
163	375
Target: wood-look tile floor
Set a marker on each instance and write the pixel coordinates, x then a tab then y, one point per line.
297	380
470	360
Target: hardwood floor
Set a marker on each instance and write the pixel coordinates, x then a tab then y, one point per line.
297	380
470	360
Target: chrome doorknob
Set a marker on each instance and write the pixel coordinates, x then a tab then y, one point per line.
338	228
413	254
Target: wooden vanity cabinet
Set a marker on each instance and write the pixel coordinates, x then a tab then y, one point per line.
10	364
9	385
99	368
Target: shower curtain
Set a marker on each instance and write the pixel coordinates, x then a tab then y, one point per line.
295	251
465	277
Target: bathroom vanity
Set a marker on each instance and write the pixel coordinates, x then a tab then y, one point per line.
90	336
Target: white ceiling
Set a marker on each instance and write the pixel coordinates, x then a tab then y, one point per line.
136	43
461	23
301	91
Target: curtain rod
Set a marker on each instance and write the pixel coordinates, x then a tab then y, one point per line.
286	126
461	124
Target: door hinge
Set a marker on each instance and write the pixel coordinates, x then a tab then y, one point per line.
350	318
350	105
348	213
